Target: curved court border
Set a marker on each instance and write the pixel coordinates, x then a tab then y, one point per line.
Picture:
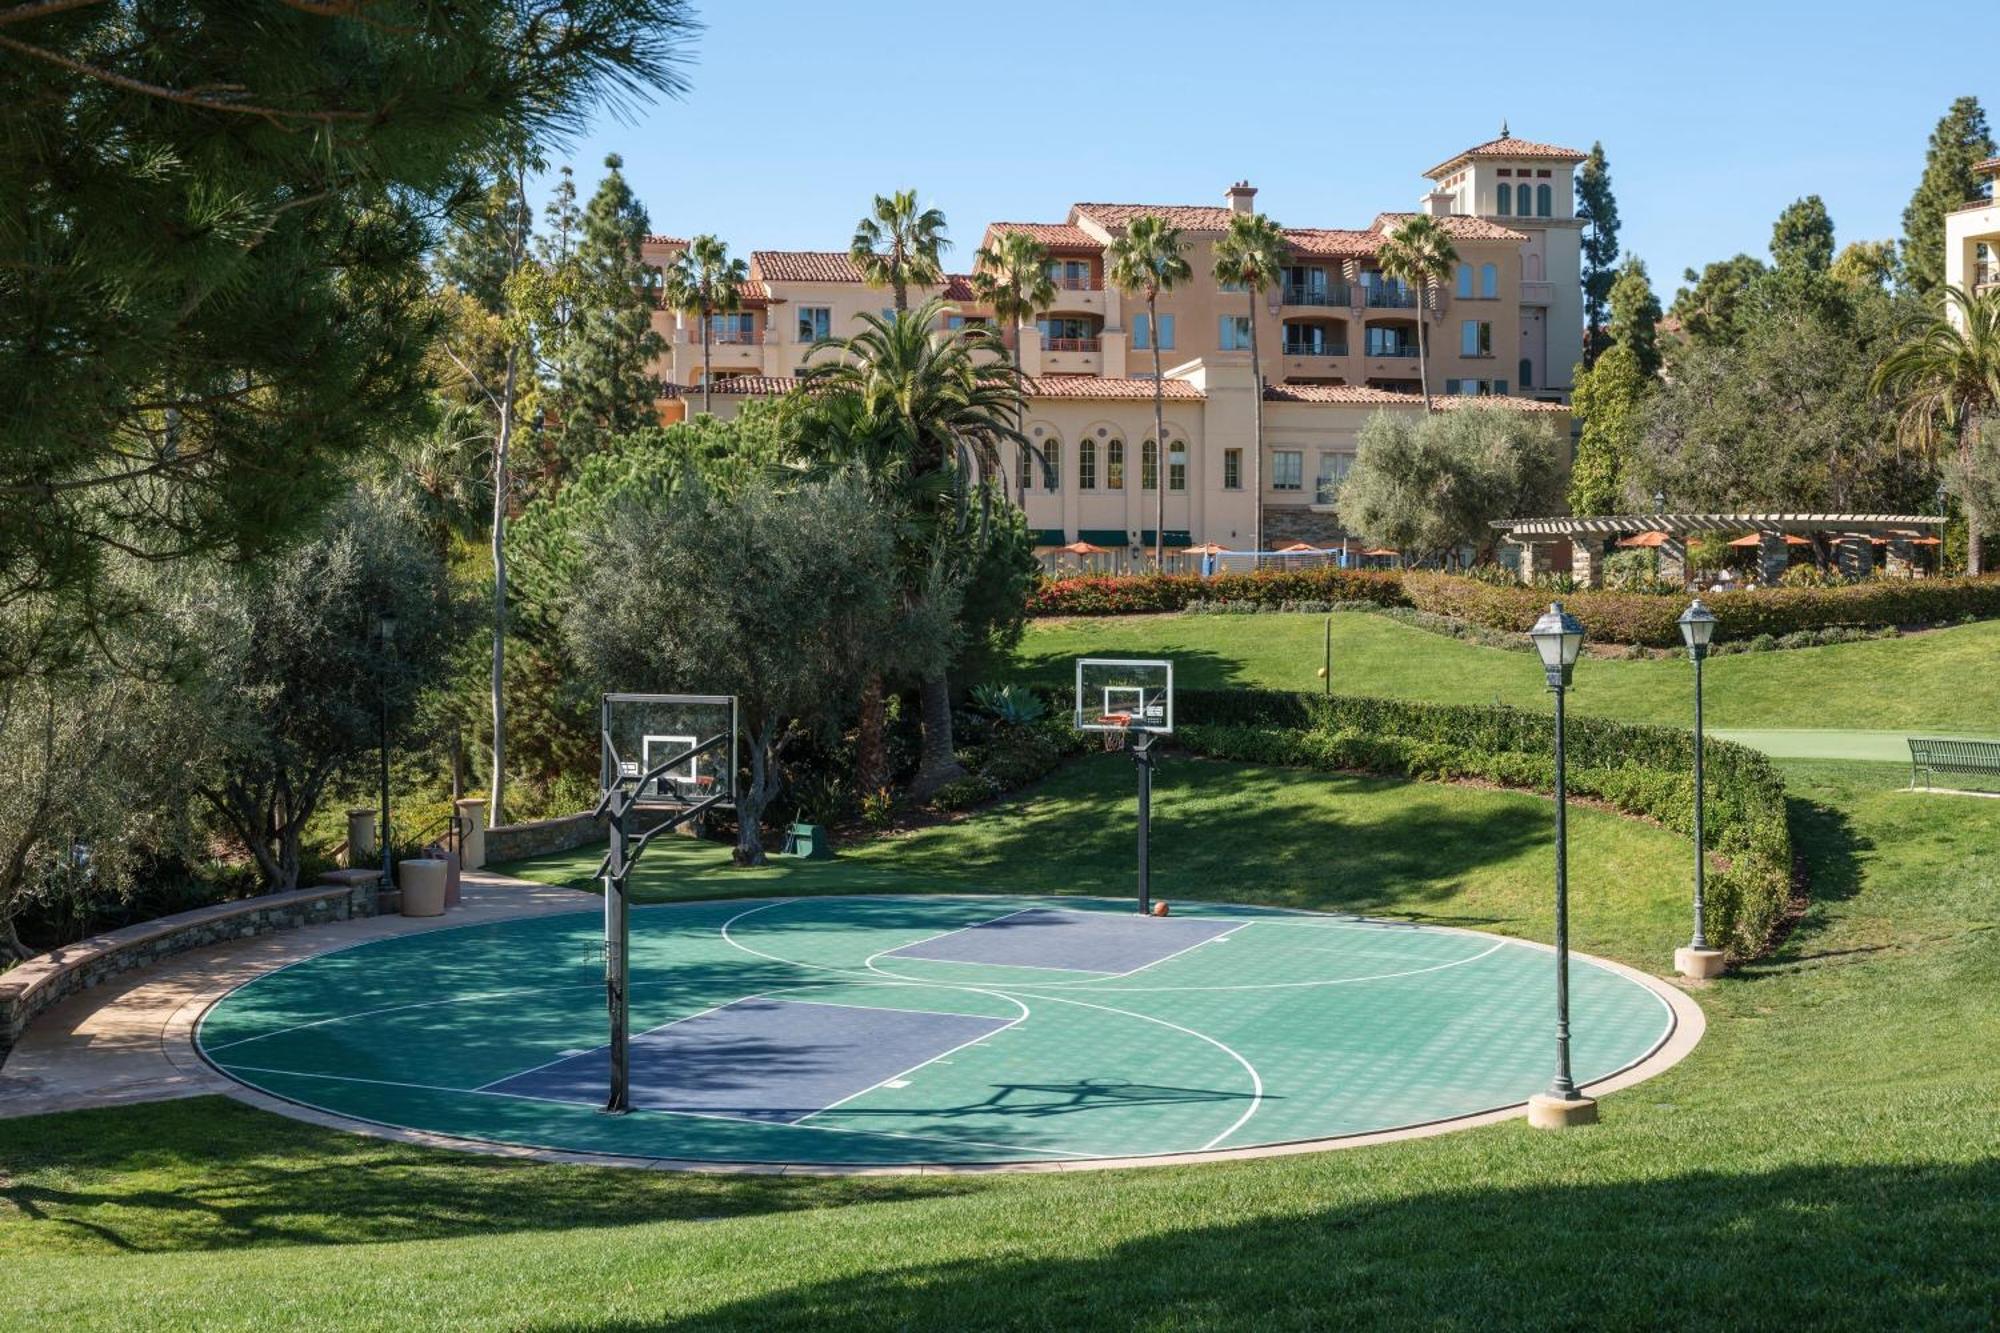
1687	1025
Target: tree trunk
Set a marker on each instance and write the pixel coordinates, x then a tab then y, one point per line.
1021	417
1257	454
502	445
707	377
1423	353
751	803
1968	437
1159	435
939	764
871	746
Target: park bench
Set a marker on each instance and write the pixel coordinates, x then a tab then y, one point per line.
1931	757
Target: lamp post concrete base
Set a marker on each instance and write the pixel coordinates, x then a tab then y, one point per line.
1700	964
1546	1112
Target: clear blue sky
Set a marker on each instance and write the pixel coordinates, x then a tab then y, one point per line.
1715	116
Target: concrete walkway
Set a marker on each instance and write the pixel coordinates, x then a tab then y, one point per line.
131	1040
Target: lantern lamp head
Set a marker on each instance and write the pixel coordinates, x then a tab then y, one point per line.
1558	638
1697	629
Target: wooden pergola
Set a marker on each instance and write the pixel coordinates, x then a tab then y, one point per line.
1850	539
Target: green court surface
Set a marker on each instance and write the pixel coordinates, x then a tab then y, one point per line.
898	1031
1887	747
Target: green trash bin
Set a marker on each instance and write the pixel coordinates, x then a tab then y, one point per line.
808	841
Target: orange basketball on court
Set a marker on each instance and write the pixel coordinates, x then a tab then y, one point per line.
1159	909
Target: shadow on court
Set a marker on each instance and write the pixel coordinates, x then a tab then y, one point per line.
1801	1247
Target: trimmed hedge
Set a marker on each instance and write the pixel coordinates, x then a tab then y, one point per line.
1649	619
1641	770
1139	594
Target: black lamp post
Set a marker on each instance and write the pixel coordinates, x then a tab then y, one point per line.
385	637
1698	960
1558	638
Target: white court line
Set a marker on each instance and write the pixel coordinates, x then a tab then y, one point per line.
1014	1022
1281	985
531	1069
397	1008
1256	1081
646	1110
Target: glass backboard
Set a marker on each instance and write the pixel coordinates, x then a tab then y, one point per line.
641	732
1121	694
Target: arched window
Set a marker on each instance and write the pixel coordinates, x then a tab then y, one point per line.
1176	465
1114	466
1052	451
1025	476
1465	282
1489	281
1544	197
1086	465
1531	268
1506	199
1149	466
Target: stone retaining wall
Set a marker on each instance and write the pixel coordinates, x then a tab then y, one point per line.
46	979
544	837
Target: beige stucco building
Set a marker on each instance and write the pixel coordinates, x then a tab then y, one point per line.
1337	342
1972	238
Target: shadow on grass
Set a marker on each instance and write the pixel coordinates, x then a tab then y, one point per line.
207	1173
1812	1246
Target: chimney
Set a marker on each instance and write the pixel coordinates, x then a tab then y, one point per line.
1438	203
1242	197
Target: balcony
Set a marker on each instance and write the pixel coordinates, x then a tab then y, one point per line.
1071	345
1065	282
1391	298
736	338
1315	349
1985	275
1395	350
1337	294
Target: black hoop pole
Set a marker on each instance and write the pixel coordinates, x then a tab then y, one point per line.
1142	755
617	965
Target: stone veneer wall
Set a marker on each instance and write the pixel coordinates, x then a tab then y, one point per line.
1297	523
544	837
49	978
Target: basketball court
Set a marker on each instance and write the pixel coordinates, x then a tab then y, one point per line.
895	1032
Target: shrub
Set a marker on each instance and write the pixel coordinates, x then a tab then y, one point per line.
1010	704
964	793
1641	770
1137	594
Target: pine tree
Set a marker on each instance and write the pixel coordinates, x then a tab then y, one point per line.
1608	401
1960	140
1802	237
1597	208
605	365
1635	316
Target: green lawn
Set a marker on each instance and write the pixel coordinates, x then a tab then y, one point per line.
1941	680
1829	1155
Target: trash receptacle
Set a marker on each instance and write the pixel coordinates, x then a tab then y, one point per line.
422	880
808	841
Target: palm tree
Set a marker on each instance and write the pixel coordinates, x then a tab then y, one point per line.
1421	255
1146	261
1012	276
1252	255
927	416
1947	377
703	281
897	245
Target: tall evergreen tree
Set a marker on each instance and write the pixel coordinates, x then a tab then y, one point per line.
1802	237
1960	140
1710	310
1609	402
604	368
1634	319
1597	208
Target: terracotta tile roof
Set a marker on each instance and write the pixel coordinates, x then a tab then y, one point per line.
803	266
1362	395
958	287
1991	166
1092	386
772	385
1336	242
1458	226
673	242
1189	217
1508	146
1055	235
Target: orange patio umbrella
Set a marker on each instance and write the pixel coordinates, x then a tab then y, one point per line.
1301	548
1754	539
1644	539
1206	548
1084	548
1381	550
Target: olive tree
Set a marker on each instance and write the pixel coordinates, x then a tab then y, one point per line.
779	594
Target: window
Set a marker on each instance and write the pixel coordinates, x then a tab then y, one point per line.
1307	340
1305	285
1025	476
1527	369
1506	200
1489	281
1071	274
1067	333
1114	466
815	322
1044	473
1149	466
1475	338
1232	469
1543	199
1385	340
1287	470
1086	465
732	328
889	313
1235	333
1332	471
1465	282
1141	333
1177	465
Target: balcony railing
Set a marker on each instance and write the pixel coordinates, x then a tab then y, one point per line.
1538	293
1072	283
1070	344
1985	275
1408	349
1391	298
1337	294
1315	349
736	337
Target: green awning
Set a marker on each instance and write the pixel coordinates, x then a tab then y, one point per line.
1175	537
1115	537
1048	536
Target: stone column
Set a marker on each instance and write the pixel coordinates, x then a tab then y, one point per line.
1773	557
1856	557
472	830
1673	560
1586	561
1533	562
361	854
1900	558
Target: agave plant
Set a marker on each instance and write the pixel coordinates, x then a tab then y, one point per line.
1010	705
